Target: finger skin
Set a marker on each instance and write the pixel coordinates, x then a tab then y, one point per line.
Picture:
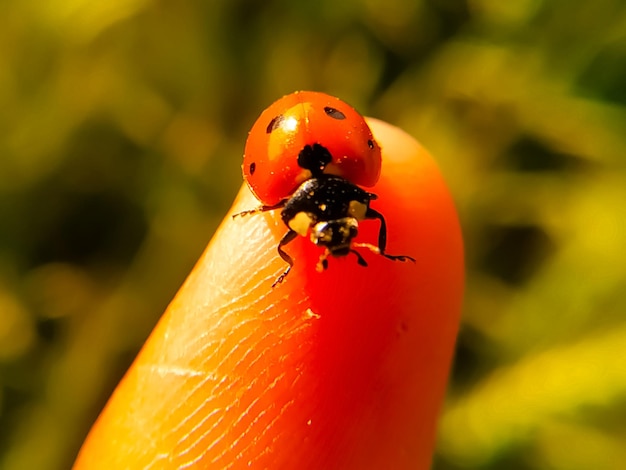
344	369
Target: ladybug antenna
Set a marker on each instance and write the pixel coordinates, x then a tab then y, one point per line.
314	158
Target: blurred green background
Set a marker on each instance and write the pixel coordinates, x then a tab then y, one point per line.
121	133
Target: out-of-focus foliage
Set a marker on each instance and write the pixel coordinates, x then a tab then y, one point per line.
121	131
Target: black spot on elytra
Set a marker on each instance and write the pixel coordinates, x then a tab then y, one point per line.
274	123
370	144
334	113
252	168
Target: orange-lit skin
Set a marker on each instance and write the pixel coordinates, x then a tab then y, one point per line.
344	369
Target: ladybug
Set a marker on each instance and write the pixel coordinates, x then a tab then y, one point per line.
308	154
303	135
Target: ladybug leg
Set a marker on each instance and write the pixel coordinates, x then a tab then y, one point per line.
256	210
360	260
382	233
376	251
382	237
288	237
322	263
369	246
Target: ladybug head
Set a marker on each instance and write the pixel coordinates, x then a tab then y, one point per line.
335	235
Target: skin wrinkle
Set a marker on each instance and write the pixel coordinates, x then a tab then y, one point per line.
269	427
199	386
202	338
209	415
257	437
250	348
235	300
189	463
215	278
223	413
169	396
252	384
299	325
259	356
256	291
193	444
194	414
217	326
164	369
279	416
157	460
245	414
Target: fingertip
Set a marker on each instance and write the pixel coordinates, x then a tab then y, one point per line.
340	369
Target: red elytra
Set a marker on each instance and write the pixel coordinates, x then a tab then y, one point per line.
271	159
